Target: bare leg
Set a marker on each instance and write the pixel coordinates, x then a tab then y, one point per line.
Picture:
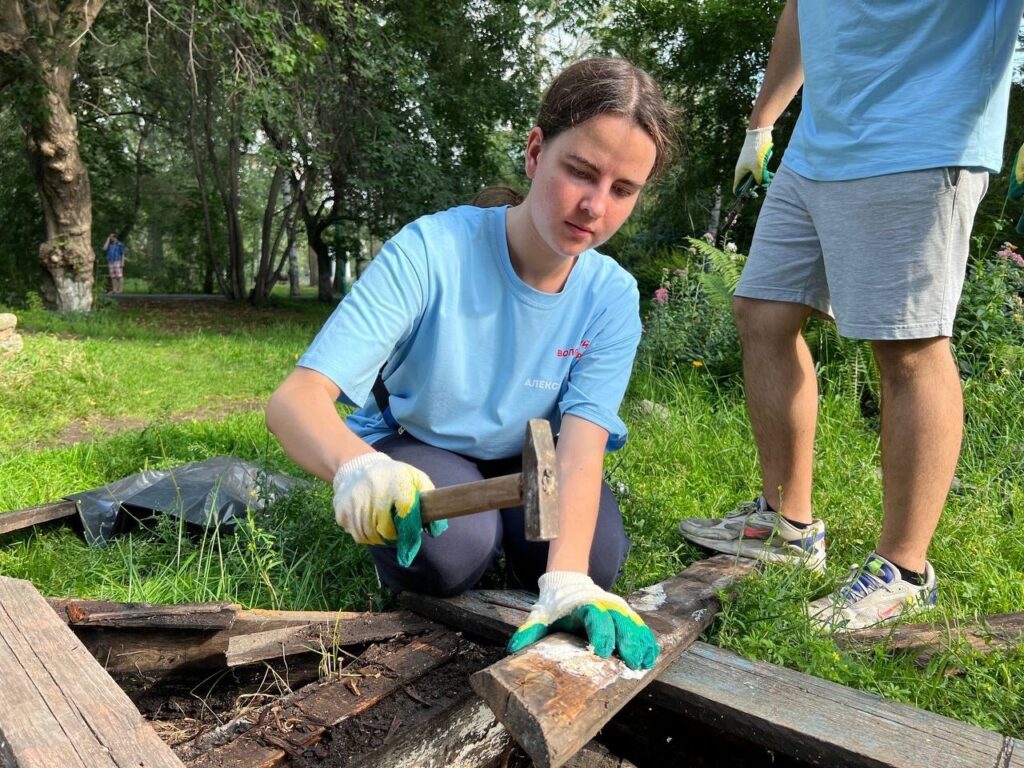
922	426
782	399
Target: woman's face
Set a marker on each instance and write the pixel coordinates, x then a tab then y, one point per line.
586	181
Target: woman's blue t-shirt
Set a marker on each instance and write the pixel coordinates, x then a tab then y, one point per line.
472	351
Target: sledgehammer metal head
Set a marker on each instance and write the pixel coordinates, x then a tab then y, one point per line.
535	489
540	482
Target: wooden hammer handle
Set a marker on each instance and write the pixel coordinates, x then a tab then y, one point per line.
469	498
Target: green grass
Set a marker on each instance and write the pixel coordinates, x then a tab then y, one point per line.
702	460
168	372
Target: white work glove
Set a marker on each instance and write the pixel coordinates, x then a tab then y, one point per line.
572	602
754	157
377	500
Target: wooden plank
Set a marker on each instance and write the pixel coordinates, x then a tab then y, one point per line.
490	615
57	705
267	736
466	735
154	653
555	695
20	519
1004	630
357	630
819	722
105	613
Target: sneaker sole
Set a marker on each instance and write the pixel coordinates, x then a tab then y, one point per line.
759	551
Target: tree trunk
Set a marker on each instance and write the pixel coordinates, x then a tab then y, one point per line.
39	38
314	271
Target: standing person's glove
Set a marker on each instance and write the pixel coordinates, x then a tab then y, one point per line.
754	157
572	602
1016	188
377	500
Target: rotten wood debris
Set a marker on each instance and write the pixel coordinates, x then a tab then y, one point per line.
400	697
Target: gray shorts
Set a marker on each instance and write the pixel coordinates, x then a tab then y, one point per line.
885	256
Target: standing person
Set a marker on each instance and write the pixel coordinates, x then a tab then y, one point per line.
114	249
470	322
868	220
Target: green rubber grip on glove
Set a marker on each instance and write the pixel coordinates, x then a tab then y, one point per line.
409	528
607	629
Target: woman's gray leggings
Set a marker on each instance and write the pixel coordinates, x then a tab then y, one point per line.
454	561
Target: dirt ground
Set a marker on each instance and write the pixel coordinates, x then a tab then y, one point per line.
643	734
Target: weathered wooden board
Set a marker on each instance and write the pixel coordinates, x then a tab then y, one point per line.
293	724
154	652
57	705
820	722
491	615
465	736
19	519
1005	630
104	613
555	695
353	630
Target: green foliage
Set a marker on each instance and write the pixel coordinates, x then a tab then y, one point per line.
22	216
709	57
690	323
989	331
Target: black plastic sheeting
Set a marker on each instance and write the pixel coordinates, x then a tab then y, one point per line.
206	494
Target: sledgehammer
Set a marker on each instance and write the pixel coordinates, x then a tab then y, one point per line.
535	488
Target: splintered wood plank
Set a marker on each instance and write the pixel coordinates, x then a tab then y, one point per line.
466	735
556	694
19	519
154	652
489	614
293	724
354	630
104	613
819	722
57	705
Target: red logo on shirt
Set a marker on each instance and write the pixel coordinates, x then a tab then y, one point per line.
576	352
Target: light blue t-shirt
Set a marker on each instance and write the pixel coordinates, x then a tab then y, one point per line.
472	351
902	85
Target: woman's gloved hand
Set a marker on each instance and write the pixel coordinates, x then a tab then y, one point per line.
572	602
377	500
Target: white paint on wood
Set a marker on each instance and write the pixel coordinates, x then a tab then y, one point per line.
574	658
649	598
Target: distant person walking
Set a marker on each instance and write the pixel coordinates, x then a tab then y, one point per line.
114	249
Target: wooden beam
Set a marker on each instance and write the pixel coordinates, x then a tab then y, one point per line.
555	695
156	651
57	705
20	519
1004	630
321	637
488	614
819	722
268	735
104	613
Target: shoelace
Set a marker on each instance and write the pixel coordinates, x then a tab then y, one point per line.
860	584
746	509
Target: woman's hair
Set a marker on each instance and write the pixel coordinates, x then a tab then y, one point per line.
603	86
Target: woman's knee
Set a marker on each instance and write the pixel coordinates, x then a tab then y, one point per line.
447	564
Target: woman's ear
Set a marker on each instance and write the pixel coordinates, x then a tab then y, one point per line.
534	142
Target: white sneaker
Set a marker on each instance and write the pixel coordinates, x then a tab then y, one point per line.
874	593
753	530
